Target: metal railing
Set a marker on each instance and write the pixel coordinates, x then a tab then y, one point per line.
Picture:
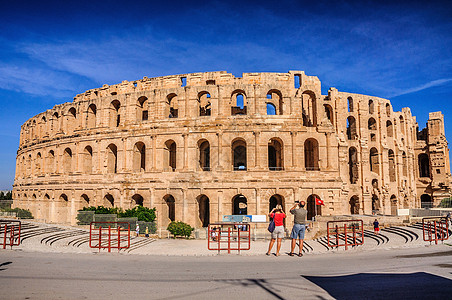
109	235
435	229
10	231
347	233
229	237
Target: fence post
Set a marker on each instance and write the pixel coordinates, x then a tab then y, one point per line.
345	233
100	237
4	239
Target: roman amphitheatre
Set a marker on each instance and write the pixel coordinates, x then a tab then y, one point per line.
203	145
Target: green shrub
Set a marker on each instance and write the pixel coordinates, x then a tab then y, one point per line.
21	213
142	213
180	229
103	210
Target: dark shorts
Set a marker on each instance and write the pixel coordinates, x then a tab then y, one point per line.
298	231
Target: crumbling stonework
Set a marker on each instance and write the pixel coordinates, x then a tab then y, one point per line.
203	145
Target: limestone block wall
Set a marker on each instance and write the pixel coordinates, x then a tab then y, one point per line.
202	145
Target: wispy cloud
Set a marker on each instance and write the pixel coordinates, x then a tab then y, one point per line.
424	86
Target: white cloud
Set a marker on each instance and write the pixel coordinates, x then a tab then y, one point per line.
424	86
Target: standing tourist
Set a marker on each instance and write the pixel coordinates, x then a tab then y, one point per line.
278	215
299	227
376	226
137	229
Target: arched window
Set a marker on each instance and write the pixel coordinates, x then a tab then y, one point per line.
329	112
142	109
239	155
371	107
51	162
115	117
88	160
374	161
309	107
375	203
171	207
389	128
394	205
67	161
84	200
351	128
274	97
354	205
312	208
275	155
38	163
392	169
405	164
372	124
204	104
388	110
139	157
112	159
171	108
238	101
402	124
311	155
71	120
204	155
109	201
203	210
424	165
55	127
91	118
239	205
353	165
350	104
170	155
137	199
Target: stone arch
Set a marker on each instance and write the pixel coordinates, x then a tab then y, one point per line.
71	119
271	109
238	103
239	205
112	158
38	164
404	164
204	154
371	124
87	160
50	162
309	107
109	201
171	106
388	110
204	103
84	200
375	203
142	109
139	157
392	166
275	154
170	207
394	205
275	98
203	210
351	128
62	209
91	116
311	155
389	130
67	161
424	165
312	208
239	156
353	165
354	205
371	107
426	201
275	200
55	126
374	161
329	112
350	104
114	112
170	155
138	200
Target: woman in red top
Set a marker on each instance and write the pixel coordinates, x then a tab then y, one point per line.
278	214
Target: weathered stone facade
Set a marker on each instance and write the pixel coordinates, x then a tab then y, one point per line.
199	146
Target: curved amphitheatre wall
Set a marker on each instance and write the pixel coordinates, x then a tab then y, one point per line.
203	145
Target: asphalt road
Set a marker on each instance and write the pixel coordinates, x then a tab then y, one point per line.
412	273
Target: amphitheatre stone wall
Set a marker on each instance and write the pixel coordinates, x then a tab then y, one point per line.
203	145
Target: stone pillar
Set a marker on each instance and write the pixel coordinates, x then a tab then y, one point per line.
185	135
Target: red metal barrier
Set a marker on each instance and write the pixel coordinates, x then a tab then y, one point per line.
10	233
345	233
109	235
435	229
229	236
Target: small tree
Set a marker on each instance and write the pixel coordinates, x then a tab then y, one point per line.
180	229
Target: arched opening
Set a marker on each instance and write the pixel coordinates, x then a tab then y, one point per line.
274	102
375	204
87	160
311	155
170	155
67	161
393	205
112	159
329	112
204	155
203	210
389	129
239	205
115	117
171	108
309	107
350	104
371	107
374	161
239	155
372	124
426	201
171	207
204	104
71	120
388	110
137	200
84	201
312	208
109	201
91	118
353	165
405	164
54	123
354	205
142	109
275	200
238	101
351	128
139	157
402	124
51	162
38	163
424	165
62	209
392	168
275	155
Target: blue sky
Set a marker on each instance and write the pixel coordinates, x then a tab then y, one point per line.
52	50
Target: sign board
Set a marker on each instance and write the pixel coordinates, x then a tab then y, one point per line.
245	218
